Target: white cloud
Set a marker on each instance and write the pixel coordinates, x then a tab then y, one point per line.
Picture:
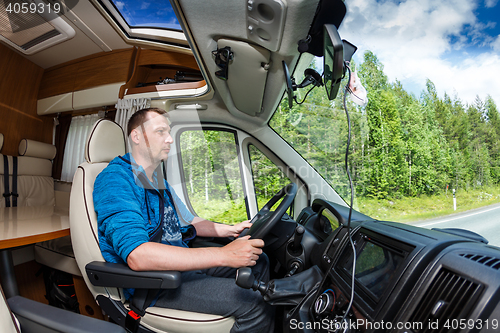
145	5
413	41
490	3
496	44
120	5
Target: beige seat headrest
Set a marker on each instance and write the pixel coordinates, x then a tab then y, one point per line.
106	141
37	149
1	141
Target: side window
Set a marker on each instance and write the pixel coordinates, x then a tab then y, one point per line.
212	175
267	177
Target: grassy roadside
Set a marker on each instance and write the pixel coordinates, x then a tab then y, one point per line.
400	210
218	210
224	211
426	207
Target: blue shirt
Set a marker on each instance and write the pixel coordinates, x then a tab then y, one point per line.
129	210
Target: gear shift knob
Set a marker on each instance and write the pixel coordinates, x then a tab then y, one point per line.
245	279
299	234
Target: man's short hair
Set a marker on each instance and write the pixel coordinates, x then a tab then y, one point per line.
139	118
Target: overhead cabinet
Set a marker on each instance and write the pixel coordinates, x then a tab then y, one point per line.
101	79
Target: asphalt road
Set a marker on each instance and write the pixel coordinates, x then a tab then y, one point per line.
484	221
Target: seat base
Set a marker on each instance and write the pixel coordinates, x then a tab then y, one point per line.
58	254
177	321
163	320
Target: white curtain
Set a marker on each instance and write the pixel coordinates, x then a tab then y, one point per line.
125	108
75	145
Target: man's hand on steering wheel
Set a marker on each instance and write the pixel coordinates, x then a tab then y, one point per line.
241	252
237	229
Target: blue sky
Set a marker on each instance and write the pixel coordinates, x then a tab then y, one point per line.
454	43
153	13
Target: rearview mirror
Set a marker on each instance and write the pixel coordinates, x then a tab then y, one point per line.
333	60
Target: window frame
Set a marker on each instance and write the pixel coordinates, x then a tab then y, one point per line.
153	34
176	177
180	166
252	170
286	169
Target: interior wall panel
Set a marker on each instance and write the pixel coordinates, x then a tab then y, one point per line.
19	84
88	72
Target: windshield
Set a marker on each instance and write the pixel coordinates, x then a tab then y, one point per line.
317	129
412	159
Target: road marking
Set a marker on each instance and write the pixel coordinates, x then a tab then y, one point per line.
456	218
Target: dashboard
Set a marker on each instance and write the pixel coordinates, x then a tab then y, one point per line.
406	279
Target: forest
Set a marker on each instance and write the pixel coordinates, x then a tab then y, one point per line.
401	145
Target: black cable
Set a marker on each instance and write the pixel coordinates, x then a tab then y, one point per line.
352	194
304	99
311	314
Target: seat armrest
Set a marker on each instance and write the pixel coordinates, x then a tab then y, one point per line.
107	274
38	317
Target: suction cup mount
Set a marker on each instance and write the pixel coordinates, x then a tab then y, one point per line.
311	76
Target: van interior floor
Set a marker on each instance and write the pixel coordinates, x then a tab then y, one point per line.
32	286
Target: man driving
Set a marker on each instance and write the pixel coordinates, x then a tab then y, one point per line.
139	219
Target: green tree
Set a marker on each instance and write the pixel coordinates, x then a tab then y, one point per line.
493	119
402	145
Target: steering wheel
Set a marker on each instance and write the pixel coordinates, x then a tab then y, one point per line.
266	219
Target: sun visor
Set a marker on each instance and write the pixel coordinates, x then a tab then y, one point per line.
247	74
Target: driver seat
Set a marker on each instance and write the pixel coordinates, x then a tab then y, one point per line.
106	141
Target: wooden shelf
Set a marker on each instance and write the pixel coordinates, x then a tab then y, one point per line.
87	72
151	65
166	87
132	66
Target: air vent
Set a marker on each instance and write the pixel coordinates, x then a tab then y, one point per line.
449	297
484	260
304	215
40	39
34	27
